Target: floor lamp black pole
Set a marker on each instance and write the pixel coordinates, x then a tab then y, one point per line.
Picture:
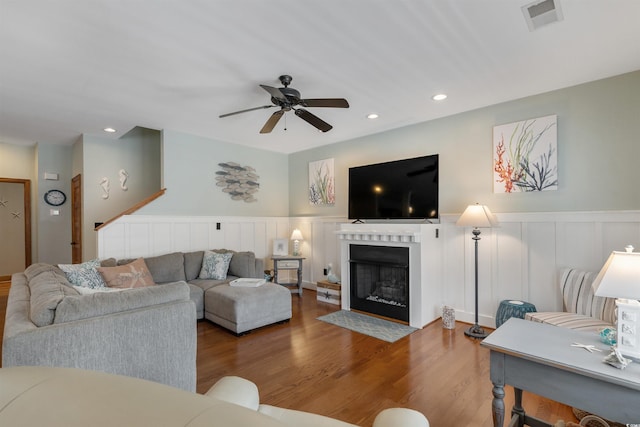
476	330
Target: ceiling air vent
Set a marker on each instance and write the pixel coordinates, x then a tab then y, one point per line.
540	13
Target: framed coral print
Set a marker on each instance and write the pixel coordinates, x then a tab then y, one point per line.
525	156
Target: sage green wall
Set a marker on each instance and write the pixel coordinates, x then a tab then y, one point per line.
54	231
189	169
598	153
138	153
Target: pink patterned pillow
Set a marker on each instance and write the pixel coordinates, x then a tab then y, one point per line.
132	275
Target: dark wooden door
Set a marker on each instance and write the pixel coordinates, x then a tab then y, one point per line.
76	219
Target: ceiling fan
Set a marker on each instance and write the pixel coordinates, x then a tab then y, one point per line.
287	98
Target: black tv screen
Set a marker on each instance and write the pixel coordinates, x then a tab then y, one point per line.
400	189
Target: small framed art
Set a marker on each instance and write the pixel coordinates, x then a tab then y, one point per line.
280	247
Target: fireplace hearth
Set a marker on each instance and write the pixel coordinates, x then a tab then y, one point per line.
379	277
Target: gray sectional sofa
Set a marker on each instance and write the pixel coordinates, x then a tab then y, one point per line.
235	308
147	332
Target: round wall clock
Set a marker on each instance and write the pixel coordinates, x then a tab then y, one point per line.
55	197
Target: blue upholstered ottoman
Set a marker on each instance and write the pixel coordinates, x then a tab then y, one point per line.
513	308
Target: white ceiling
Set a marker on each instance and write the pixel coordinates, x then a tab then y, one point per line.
69	67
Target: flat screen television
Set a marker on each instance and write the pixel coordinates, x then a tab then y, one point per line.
401	189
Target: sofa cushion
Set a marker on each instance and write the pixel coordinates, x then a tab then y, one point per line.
192	264
84	274
102	303
243	264
215	265
34	269
47	289
132	275
109	262
166	268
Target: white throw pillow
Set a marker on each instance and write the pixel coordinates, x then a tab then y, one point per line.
84	274
215	265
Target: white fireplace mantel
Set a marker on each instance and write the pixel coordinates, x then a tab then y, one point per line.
424	266
380	236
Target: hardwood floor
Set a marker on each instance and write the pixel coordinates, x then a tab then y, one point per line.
309	365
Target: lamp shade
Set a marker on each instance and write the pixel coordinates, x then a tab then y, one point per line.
296	235
477	216
620	276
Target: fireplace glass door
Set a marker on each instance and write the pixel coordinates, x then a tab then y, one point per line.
379	280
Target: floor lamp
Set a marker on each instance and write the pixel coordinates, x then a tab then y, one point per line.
476	216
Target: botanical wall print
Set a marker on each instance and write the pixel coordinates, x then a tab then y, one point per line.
525	156
321	182
240	182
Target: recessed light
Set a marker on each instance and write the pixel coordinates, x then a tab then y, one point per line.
110	130
439	97
372	116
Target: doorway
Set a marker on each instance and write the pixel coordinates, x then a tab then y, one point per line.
15	226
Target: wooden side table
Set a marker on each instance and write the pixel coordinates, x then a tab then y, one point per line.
288	262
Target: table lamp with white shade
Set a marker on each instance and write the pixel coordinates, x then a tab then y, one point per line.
620	279
296	236
476	216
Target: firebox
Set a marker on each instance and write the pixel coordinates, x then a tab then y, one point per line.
379	280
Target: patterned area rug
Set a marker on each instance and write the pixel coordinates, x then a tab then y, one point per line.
368	325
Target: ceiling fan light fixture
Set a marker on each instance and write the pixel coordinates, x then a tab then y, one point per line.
286	98
439	97
372	116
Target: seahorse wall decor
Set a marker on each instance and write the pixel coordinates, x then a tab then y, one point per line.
123	179
240	182
104	183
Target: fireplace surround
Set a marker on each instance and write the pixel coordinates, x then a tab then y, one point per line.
421	267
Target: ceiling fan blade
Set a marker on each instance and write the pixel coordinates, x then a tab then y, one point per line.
325	102
274	92
272	122
313	120
244	111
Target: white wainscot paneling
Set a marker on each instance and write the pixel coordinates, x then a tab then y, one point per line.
539	281
150	235
520	259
